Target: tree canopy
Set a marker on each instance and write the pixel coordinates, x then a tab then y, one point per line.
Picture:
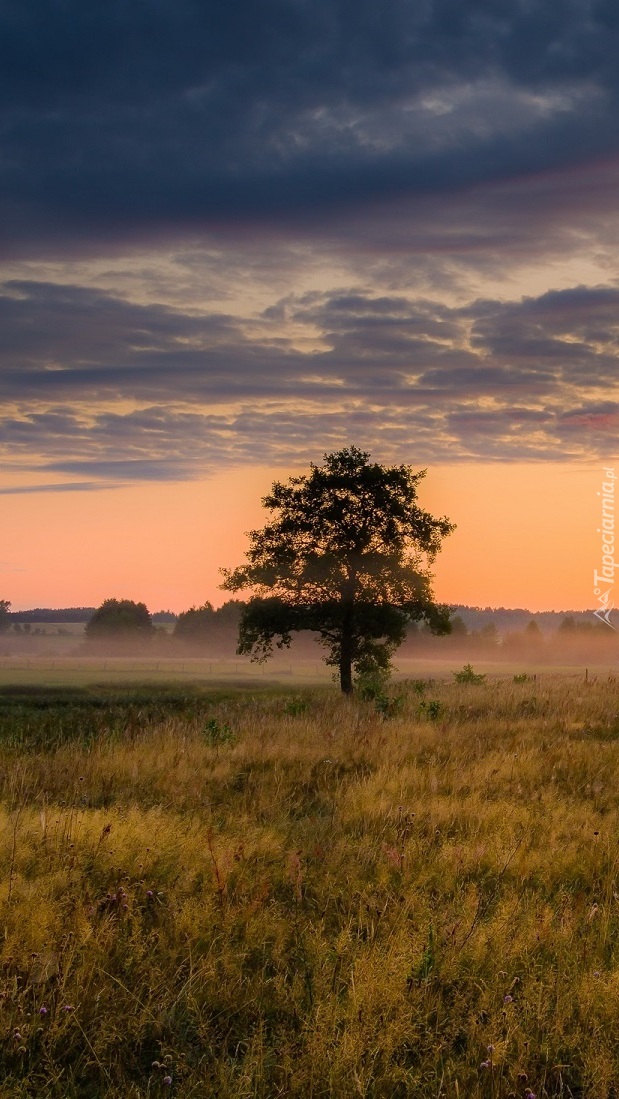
120	618
204	627
196	624
346	555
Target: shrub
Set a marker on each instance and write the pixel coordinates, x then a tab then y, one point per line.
215	734
467	675
295	706
431	709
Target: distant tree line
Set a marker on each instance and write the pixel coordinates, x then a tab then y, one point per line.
506	619
124	624
201	623
47	614
61	615
575	636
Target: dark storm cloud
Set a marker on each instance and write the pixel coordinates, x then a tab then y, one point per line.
128	117
488	380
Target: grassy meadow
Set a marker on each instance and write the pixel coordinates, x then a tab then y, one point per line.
261	890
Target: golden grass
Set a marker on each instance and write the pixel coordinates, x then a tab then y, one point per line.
330	905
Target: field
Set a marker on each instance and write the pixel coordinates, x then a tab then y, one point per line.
260	889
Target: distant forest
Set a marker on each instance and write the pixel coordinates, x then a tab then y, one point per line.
74	614
504	619
497	633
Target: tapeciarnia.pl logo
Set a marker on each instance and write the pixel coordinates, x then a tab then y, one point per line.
604	580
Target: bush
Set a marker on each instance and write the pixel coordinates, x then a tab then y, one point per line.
467	675
215	734
431	709
295	706
388	705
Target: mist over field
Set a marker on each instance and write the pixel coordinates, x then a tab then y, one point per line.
503	635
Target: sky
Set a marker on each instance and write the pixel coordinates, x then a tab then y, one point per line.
234	237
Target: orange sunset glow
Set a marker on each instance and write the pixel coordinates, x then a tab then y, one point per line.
516	544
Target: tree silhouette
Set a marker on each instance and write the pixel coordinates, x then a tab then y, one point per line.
345	555
196	624
121	619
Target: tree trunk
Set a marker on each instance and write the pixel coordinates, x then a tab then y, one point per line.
346	654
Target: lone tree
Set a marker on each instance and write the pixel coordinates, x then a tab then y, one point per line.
345	555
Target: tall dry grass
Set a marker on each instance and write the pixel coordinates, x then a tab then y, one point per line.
291	896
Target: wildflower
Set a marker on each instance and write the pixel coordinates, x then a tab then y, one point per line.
508	999
485	1064
490	1049
168	1080
67	1007
149	893
43	1010
529	1094
17	1036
